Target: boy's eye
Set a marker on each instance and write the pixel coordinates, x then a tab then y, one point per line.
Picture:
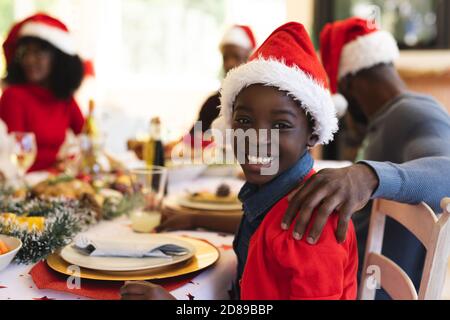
242	121
281	125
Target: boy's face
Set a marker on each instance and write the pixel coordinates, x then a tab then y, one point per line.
260	107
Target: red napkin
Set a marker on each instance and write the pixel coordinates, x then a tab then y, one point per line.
46	278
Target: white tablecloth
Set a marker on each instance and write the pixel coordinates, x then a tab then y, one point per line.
213	283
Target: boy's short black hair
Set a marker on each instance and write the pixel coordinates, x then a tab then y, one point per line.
309	117
66	74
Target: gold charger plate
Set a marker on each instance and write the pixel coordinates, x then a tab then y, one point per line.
206	255
172	204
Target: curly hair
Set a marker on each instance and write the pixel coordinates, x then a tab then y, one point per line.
66	74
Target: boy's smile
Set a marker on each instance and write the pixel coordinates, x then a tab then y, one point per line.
260	107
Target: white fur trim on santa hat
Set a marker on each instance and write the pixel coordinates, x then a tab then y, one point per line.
367	51
59	38
315	98
341	104
238	37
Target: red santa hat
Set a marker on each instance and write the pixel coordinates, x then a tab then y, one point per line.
286	60
43	27
352	45
239	35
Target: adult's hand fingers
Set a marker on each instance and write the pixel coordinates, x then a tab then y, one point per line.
176	222
345	215
296	202
351	187
323	213
135	288
134	297
309	203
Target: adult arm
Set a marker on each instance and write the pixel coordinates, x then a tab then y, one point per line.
423	176
425	179
219	223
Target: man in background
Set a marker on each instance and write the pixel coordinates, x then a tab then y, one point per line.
406	151
236	47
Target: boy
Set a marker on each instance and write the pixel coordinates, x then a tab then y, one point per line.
282	88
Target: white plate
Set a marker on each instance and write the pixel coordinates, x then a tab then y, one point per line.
14	245
73	256
185	202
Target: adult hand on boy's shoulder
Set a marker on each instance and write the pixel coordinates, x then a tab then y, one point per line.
345	191
141	290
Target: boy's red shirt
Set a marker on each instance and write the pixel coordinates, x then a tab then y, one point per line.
278	267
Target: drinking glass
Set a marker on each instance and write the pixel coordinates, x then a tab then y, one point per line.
149	184
24	151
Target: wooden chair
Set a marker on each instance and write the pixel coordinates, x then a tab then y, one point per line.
433	232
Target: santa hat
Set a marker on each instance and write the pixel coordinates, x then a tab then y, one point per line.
352	45
286	60
239	35
43	27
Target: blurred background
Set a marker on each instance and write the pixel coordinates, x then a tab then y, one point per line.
161	57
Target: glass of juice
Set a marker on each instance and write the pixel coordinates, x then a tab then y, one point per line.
149	184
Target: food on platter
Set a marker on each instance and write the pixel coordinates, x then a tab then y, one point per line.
122	183
3	248
20	193
63	186
223	195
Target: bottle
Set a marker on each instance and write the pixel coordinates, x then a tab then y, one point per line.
90	127
89	142
153	152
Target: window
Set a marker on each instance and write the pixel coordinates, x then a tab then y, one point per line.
6	19
151	57
415	24
171	38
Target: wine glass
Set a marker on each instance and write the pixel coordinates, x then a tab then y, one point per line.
24	151
149	184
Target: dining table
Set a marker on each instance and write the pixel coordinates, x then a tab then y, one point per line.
213	283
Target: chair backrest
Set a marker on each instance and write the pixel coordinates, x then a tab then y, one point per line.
432	232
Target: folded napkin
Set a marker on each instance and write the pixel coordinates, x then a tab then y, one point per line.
133	248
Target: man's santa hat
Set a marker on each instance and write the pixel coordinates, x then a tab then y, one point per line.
239	35
43	27
352	45
286	60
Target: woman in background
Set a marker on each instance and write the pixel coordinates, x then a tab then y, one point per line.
43	72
